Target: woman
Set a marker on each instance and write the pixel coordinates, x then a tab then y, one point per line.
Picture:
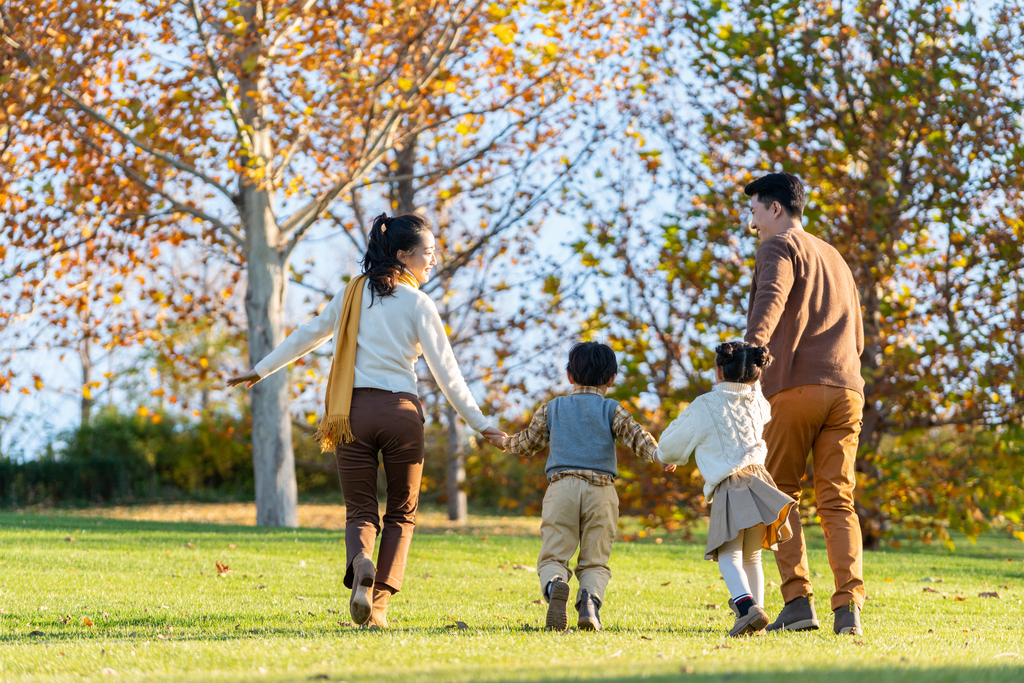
382	325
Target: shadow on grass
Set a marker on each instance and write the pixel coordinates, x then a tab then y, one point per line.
895	674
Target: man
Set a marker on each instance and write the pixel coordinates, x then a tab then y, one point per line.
805	307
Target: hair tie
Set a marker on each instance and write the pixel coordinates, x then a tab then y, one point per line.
383	218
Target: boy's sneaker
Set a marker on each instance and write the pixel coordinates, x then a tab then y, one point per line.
588	608
558	606
797	615
754	622
847	621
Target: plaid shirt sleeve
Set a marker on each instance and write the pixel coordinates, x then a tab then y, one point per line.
631	434
534	438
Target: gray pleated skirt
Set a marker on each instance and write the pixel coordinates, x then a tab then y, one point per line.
745	499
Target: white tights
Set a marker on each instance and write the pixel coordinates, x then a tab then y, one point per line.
739	560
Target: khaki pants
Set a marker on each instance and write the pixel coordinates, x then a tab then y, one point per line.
578	515
824	421
390	424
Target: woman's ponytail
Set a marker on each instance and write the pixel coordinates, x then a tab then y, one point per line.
388	236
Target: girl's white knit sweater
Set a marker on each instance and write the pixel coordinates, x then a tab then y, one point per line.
393	333
725	429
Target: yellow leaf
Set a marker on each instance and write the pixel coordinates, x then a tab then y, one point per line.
203	363
462	129
405	83
143	411
86	393
505	32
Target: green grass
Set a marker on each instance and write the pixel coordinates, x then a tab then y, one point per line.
161	612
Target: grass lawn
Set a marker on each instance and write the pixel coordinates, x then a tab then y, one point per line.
133	600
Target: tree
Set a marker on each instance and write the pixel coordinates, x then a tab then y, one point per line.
241	123
904	124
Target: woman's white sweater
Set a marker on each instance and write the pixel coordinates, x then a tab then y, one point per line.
725	429
393	333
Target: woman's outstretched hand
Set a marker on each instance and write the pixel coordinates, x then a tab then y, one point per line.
495	436
250	378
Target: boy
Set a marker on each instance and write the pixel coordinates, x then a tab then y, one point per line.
581	508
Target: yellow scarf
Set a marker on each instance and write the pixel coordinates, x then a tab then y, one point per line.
336	425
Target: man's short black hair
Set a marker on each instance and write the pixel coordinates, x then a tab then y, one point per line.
784	188
591	364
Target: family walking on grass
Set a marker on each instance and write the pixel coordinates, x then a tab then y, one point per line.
792	388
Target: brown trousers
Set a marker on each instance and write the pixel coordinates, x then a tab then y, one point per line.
389	424
824	421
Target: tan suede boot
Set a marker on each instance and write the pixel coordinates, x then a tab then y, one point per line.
363	575
379	616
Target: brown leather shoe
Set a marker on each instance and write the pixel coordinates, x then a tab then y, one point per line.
754	622
360	605
379	614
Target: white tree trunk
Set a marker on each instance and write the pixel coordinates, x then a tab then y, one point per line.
272	456
267	268
457	511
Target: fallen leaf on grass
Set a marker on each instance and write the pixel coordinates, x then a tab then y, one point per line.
929	589
989	594
70	539
929	579
723	647
222	569
65	619
525	568
320	677
665	584
458	624
232	546
36	633
538	601
686	670
773	584
644	638
710	606
615	654
1011	655
960	598
87	621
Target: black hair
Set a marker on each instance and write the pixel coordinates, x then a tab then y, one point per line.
591	364
784	188
388	236
742	361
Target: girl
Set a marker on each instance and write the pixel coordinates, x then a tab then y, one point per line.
382	325
747	512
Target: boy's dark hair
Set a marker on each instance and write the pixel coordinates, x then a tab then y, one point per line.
742	361
784	188
591	364
388	236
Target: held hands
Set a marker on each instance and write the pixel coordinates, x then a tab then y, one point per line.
495	436
250	378
668	468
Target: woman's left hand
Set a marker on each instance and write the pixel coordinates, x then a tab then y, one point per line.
250	378
495	436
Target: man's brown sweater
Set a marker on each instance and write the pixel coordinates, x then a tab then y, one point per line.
805	306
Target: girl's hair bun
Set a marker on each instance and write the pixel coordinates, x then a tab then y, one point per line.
761	356
741	361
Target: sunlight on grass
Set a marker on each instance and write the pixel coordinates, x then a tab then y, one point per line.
160	609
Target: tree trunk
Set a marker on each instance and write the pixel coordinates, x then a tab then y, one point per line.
267	268
84	352
457	511
872	521
272	456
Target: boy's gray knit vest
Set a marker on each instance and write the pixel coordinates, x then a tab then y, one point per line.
580	432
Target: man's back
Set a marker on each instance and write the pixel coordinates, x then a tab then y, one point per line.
805	307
